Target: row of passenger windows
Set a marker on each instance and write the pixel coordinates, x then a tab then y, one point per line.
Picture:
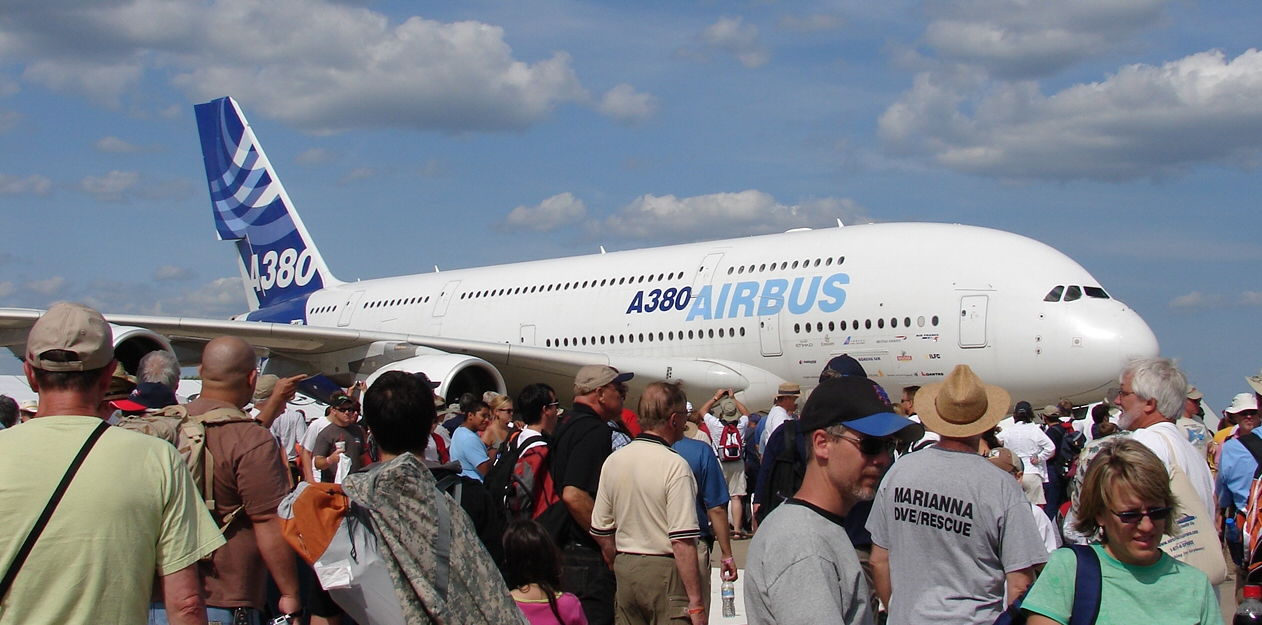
322	309
867	324
784	265
565	286
405	301
642	337
1072	293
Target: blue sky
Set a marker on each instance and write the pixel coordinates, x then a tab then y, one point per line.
1127	134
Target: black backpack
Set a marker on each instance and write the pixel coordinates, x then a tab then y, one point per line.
787	470
503	483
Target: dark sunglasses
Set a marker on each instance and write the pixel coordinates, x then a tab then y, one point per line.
1134	516
872	446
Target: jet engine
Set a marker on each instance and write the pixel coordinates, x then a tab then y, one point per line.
456	373
131	343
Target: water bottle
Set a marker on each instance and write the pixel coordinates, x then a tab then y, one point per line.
728	592
1250	610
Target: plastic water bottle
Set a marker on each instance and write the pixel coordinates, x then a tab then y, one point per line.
728	592
1250	610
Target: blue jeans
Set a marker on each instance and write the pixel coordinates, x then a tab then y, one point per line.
215	616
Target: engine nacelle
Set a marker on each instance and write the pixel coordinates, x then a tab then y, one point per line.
131	343
456	373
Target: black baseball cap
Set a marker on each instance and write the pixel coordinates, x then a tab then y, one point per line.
859	404
1023	407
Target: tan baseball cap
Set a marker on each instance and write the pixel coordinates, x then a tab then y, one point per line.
592	377
263	387
1194	394
74	328
1256	382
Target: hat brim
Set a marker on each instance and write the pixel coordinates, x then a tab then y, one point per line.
997	402
1256	382
887	424
623	377
127	405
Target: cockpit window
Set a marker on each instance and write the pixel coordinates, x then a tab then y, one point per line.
1054	294
1073	293
1096	292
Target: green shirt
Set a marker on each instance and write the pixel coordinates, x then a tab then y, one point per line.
132	512
1168	592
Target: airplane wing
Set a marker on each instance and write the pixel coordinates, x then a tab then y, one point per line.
315	345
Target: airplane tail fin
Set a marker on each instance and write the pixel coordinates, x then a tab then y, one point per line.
279	262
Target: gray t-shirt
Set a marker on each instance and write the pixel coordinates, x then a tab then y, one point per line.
802	569
954	525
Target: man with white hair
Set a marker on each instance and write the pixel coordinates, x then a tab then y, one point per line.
1151	397
159	366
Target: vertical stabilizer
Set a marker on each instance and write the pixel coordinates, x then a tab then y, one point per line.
279	262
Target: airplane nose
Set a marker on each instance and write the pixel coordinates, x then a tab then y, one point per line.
1136	339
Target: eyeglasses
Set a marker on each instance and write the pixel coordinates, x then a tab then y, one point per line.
1131	517
872	446
508	410
555	404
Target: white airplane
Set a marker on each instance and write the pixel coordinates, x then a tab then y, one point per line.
907	300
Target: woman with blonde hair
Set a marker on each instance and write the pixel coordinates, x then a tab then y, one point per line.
1127	505
501	426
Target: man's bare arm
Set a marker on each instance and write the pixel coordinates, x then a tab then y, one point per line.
282	393
608	548
182	596
690	574
580	505
279	558
880	561
722	536
1018	581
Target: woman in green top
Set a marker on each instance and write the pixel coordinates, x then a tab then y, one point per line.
1126	501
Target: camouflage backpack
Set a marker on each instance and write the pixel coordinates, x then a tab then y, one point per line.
187	434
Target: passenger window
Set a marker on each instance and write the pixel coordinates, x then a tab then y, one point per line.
742	331
1054	294
867	324
934	321
831	327
1073	293
920	321
880	323
843	325
1095	292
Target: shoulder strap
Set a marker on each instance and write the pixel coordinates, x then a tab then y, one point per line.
1254	444
223	415
38	528
1086	587
447	482
442	542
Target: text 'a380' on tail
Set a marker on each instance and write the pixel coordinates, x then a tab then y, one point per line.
279	263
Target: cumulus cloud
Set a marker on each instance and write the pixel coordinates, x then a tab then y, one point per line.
814	23
115	145
627	106
173	273
217	299
555	212
333	67
1196	300
33	184
359	173
1144	121
315	156
1016	39
128	186
719	215
729	35
47	286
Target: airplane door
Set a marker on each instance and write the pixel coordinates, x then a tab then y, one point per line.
527	336
444	298
345	319
769	335
973	320
706	271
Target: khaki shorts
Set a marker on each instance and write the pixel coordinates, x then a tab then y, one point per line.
734	473
650	591
1032	484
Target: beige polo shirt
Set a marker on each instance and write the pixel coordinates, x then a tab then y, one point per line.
646	498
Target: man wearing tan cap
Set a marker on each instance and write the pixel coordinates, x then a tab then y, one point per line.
131	510
785	407
580	446
951	533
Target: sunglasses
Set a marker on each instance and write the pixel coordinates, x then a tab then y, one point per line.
1131	517
871	446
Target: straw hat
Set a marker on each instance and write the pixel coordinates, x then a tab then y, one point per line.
961	406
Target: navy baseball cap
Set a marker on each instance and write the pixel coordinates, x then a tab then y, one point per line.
859	404
845	365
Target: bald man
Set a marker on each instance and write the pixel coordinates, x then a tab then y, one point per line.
251	478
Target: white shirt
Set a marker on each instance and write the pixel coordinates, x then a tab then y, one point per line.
775	418
1165	439
715	425
288	429
1028	441
1051	537
313	430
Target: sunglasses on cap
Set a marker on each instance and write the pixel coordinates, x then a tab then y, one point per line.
1131	517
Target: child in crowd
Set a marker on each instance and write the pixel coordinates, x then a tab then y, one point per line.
532	568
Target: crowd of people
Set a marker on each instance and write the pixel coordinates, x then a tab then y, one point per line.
124	503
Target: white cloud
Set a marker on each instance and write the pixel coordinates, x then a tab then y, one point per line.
173	273
721	215
32	184
555	212
315	156
814	23
218	299
333	67
359	173
1197	300
627	106
7	289
127	186
47	286
115	145
1017	39
730	35
1142	122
